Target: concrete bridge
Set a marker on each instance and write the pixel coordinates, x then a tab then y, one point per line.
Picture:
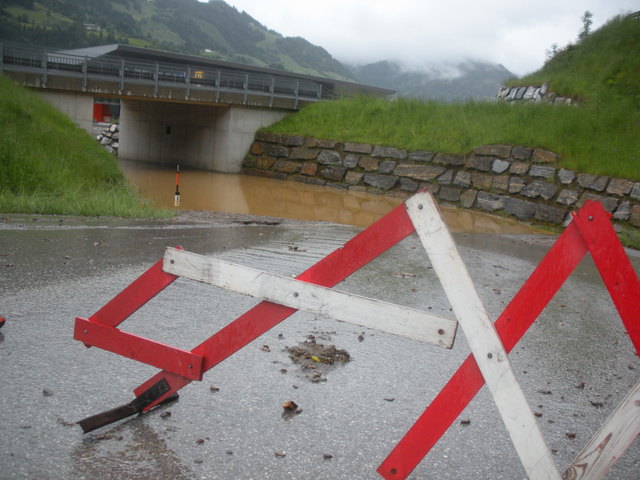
172	108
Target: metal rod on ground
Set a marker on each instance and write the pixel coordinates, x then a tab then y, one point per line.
135	406
176	200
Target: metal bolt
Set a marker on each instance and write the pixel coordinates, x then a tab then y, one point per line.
489	355
172	262
440	331
85	332
393	471
189	366
295	294
420	207
590	218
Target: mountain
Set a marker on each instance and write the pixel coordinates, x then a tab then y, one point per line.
220	31
212	29
454	82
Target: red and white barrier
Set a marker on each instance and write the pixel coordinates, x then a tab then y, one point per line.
490	343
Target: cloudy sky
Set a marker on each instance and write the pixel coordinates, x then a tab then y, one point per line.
420	33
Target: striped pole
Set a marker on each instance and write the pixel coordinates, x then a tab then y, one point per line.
176	201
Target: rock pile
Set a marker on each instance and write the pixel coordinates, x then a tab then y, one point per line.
110	138
532	94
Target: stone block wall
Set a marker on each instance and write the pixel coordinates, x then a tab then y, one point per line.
525	183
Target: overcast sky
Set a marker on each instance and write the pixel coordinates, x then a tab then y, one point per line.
515	33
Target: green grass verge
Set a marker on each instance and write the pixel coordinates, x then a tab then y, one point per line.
591	138
48	165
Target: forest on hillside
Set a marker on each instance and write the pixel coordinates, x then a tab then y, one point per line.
212	29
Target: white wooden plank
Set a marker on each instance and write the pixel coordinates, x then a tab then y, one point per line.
345	307
482	337
610	442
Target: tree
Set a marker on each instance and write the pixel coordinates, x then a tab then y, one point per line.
586	25
552	51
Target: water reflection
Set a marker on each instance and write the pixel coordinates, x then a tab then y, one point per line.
246	194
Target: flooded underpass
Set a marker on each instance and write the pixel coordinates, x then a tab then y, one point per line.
244	194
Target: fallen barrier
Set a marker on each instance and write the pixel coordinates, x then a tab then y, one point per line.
281	298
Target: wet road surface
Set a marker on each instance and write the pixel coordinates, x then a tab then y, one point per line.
575	364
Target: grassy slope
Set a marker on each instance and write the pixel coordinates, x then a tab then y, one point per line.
589	139
604	66
41	16
600	136
48	165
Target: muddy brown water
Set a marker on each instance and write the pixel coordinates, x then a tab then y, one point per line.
244	194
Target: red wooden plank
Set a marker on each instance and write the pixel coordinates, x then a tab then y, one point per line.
521	312
613	264
181	362
332	269
129	300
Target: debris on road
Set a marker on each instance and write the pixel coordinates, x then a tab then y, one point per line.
290	405
317	359
290	409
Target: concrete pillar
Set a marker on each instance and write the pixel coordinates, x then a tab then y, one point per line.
77	106
235	130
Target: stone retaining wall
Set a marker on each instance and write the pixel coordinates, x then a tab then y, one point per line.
510	180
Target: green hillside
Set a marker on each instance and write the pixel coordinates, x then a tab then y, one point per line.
212	29
48	165
600	135
604	66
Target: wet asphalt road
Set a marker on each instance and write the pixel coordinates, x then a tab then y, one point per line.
53	271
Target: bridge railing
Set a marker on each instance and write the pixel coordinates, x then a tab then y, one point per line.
33	60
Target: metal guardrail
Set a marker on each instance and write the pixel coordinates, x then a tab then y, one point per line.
26	59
